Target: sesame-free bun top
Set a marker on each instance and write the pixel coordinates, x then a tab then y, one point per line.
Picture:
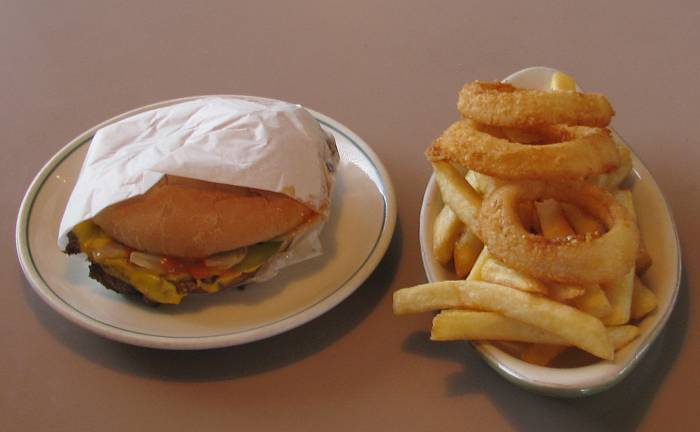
194	219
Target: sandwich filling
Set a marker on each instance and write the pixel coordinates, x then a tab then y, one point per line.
163	279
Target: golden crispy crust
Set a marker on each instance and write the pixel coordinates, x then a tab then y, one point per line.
574	259
194	219
577	152
501	104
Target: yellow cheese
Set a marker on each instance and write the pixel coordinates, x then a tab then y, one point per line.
154	287
114	257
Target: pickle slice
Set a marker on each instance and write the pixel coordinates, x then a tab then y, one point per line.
258	254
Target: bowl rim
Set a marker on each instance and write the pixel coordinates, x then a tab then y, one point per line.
490	352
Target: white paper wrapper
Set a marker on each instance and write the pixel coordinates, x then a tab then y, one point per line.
252	142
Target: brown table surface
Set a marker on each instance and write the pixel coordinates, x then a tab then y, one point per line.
390	71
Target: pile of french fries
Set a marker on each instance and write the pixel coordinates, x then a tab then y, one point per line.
528	318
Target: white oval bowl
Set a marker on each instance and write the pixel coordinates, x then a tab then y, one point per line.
663	277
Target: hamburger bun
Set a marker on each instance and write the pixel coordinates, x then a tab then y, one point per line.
194	219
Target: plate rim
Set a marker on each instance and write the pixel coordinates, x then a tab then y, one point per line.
568	390
281	325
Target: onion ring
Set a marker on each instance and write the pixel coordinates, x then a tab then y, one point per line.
501	104
613	179
577	152
574	259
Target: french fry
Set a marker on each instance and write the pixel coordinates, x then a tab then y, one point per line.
515	349
552	220
446	231
457	193
497	272
563	292
554	224
643	260
619	294
542	355
466	250
572	325
622	335
489	269
474	325
582	222
455	324
593	301
643	300
475	272
483	183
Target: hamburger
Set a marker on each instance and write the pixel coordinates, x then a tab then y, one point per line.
185	235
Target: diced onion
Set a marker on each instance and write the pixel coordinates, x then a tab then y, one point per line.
226	260
148	261
110	250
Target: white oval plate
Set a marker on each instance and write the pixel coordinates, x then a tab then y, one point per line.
363	216
663	277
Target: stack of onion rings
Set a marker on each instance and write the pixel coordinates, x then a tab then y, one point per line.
569	124
548	142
